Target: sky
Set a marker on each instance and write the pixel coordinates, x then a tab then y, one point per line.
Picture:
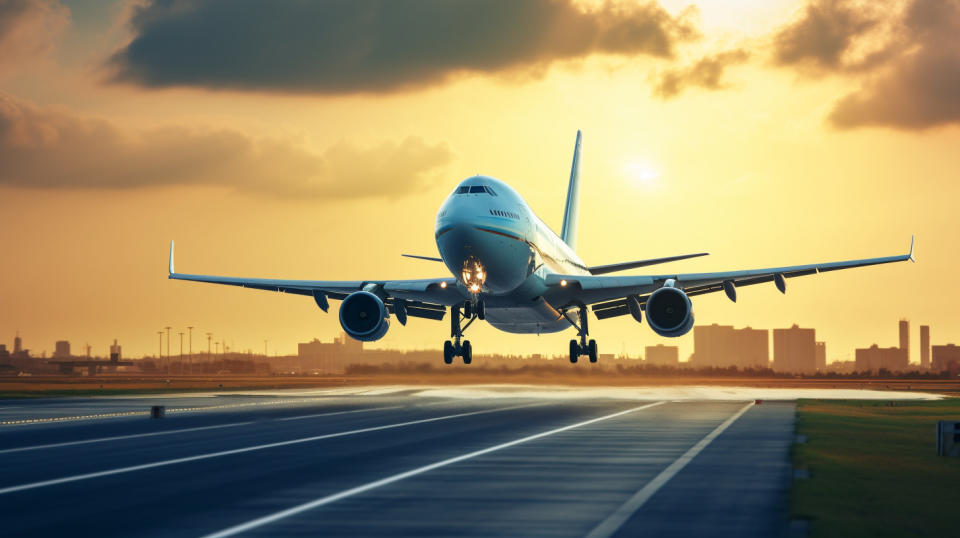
317	140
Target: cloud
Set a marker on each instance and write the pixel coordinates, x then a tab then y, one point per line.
54	148
921	87
350	46
906	57
28	30
707	72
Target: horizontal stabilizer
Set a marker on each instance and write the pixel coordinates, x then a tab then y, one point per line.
428	258
614	267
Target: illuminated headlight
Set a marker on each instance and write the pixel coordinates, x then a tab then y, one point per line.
473	275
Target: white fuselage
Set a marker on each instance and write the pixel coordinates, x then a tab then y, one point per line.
486	228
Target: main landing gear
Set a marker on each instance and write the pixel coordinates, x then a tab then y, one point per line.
578	349
472	310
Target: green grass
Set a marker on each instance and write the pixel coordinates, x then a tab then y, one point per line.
874	469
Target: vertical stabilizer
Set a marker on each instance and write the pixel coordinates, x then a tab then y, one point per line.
569	230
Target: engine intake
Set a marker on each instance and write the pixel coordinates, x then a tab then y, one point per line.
364	317
669	312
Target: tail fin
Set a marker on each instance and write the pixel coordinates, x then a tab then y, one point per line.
569	230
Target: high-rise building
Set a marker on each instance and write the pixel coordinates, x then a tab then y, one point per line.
945	358
722	346
115	351
61	350
925	347
875	358
795	350
17	344
662	355
905	338
821	350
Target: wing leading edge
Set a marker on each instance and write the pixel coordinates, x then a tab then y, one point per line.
608	294
431	295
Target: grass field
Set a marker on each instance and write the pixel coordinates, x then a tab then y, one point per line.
874	469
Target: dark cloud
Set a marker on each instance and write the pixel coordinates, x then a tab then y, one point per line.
53	148
29	28
707	73
921	86
824	36
343	46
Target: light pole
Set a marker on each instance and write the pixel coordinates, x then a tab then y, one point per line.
160	350
168	341
181	352
209	336
191	348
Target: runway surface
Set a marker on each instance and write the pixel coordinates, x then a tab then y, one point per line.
394	462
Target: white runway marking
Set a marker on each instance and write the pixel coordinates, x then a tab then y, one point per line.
315	415
616	520
408	474
98	474
121	437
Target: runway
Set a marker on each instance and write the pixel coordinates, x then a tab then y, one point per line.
394	462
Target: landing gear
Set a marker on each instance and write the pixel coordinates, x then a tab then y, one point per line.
463	350
578	349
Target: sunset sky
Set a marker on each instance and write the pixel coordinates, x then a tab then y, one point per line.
317	140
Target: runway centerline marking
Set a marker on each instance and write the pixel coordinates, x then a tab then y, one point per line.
614	521
121	437
315	415
259	522
152	465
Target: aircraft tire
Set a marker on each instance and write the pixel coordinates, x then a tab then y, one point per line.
574	351
467	352
592	350
448	352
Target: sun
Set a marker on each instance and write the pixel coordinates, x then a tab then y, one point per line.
642	174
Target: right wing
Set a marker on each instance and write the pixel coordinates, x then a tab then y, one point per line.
608	294
426	298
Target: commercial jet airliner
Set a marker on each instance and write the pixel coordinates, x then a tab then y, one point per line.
512	271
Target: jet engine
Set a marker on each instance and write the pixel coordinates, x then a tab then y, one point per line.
669	312
364	317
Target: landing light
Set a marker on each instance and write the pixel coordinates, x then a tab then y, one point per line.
443	284
474	288
563	282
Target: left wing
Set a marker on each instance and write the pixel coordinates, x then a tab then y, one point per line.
608	295
426	298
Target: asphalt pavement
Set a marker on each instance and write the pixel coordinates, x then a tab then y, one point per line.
393	462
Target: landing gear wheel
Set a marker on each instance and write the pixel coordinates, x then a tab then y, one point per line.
448	352
574	351
467	352
592	350
468	309
481	311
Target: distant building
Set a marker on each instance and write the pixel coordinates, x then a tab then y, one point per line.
842	367
795	350
905	338
821	355
723	346
662	355
329	358
4	354
115	351
875	358
17	344
61	350
946	358
925	347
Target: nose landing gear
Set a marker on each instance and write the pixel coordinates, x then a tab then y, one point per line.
581	348
471	310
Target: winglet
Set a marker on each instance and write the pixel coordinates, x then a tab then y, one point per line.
170	269
911	251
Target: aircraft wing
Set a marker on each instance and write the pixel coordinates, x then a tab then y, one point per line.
426	298
608	295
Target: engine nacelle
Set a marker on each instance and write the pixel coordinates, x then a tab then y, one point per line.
364	317
669	312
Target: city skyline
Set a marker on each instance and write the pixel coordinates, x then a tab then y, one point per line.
747	133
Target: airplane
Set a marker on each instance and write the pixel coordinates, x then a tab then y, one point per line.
511	270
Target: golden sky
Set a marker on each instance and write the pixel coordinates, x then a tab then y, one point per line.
318	140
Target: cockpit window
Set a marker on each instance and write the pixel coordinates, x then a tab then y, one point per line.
490	191
463	190
477	189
